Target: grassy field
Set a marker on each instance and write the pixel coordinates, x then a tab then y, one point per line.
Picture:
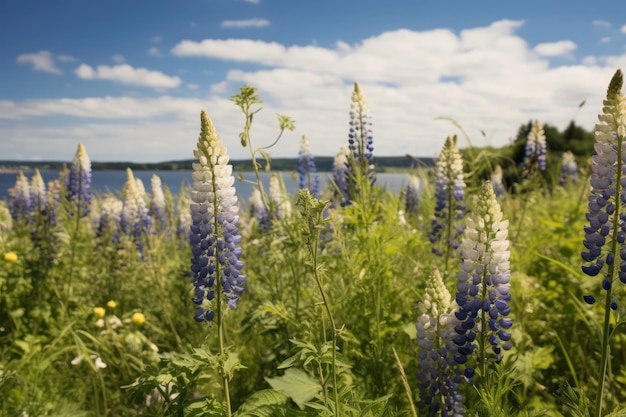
454	297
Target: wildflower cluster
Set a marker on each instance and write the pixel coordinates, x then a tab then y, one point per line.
307	171
439	376
214	233
536	147
79	182
483	282
450	195
569	169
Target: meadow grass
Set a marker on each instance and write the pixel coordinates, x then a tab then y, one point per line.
452	297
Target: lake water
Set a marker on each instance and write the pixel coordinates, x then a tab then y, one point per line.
113	181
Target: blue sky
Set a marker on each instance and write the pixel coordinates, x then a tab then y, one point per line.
129	78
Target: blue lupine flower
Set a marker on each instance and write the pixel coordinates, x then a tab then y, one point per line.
569	169
158	209
439	374
20	201
536	148
308	177
79	182
214	233
110	216
134	218
606	216
449	195
412	198
483	282
496	181
361	144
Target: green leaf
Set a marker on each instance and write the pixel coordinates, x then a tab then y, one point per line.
265	403
297	385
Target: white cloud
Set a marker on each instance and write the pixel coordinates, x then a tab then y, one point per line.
605	39
486	78
154	51
41	61
66	58
602	24
248	23
125	74
119	59
623	29
192	86
252	1
560	48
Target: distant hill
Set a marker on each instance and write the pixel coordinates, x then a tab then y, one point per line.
323	163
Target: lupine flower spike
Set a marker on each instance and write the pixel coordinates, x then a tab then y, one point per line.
361	145
413	189
340	176
158	209
214	236
535	156
483	284
605	236
496	181
79	181
134	220
38	192
279	201
309	179
20	201
569	169
439	375
450	195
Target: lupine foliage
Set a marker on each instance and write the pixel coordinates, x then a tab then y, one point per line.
343	312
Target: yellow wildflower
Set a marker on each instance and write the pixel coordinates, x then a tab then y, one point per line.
10	257
138	318
98	312
111	304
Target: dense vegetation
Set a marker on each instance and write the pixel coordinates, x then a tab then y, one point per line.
359	303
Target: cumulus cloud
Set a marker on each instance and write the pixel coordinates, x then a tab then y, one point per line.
125	74
252	1
154	51
623	29
602	24
248	23
560	48
41	61
486	78
119	59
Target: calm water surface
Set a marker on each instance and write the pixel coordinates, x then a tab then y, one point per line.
113	181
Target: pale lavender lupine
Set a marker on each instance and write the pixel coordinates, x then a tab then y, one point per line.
536	148
20	201
279	201
483	283
340	176
39	196
569	169
134	218
439	374
214	236
79	182
158	208
449	196
308	177
413	189
496	181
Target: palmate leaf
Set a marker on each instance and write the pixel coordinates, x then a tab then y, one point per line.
265	403
297	385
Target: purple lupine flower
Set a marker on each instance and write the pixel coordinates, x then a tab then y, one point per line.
536	148
361	144
607	215
20	200
483	282
110	216
340	176
412	198
496	181
308	178
569	169
439	374
79	181
158	209
214	233
449	195
134	218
